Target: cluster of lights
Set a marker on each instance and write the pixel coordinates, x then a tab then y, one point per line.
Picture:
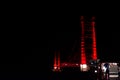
83	67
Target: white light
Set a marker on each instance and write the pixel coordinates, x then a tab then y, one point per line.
114	63
76	64
113	76
99	67
95	71
83	66
55	67
104	69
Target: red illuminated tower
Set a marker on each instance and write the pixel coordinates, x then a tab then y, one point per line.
94	54
83	65
83	55
57	62
88	41
88	50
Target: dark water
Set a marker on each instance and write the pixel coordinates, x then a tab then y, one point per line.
22	72
71	76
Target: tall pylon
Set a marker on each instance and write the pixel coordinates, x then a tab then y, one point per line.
88	41
94	54
83	65
56	61
83	55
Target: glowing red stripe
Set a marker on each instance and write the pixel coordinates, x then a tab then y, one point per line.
94	55
55	62
58	60
83	56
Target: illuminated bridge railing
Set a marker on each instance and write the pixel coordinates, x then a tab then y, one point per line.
70	65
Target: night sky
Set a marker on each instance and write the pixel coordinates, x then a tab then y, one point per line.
62	32
65	36
30	37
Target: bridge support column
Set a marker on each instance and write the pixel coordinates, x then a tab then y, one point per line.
56	62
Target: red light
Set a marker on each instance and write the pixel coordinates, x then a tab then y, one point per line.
83	57
58	60
94	55
55	62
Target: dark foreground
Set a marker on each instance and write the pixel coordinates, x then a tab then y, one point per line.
22	72
29	72
72	76
77	76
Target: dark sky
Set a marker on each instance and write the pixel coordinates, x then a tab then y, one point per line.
52	30
67	32
62	31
